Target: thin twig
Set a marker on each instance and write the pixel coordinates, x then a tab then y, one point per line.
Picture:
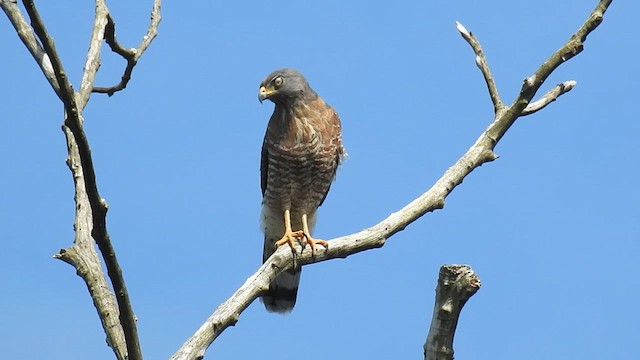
131	55
483	65
480	152
127	54
549	97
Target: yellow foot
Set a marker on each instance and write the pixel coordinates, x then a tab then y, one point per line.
288	238
312	242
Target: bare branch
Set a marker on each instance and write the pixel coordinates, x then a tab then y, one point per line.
456	285
79	154
480	152
127	54
73	121
66	90
11	9
152	30
102	22
122	334
92	63
104	28
530	85
82	255
131	55
483	65
549	97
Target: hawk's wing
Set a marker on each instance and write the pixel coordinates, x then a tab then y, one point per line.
335	138
264	166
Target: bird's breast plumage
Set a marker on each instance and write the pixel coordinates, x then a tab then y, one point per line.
303	147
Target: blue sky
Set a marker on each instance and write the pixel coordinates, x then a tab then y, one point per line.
551	227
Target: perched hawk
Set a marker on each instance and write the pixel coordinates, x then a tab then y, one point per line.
300	155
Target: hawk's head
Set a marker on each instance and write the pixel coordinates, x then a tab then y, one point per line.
285	86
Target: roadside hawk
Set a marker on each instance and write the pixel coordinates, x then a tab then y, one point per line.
301	152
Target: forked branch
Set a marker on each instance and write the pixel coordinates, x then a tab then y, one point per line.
90	221
480	152
131	55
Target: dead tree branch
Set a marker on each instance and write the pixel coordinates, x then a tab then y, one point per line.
131	55
480	152
483	65
25	32
456	285
82	255
549	97
119	321
91	209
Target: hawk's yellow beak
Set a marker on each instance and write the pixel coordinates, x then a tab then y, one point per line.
265	92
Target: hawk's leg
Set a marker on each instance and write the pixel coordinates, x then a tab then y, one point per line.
289	235
311	241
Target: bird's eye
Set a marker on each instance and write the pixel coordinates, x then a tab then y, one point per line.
278	82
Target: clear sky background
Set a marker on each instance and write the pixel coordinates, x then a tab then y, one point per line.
552	227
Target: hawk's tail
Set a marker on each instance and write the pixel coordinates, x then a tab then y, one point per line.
282	293
283	290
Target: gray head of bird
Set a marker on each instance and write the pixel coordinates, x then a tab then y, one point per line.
284	86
